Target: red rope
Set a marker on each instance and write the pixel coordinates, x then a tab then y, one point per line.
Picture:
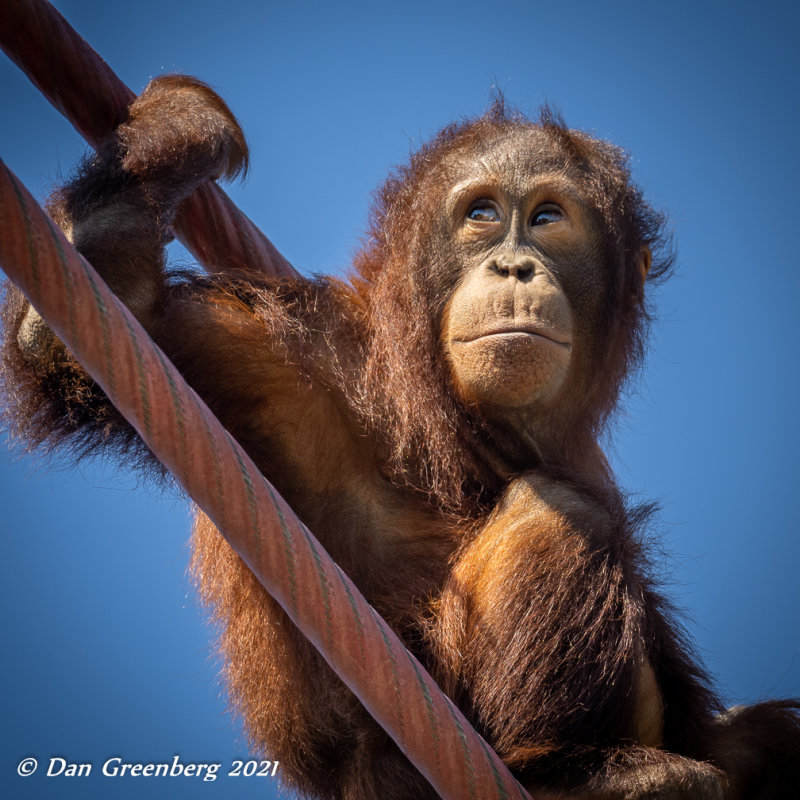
153	396
76	80
245	507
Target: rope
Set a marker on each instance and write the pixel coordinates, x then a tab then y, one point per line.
256	521
76	80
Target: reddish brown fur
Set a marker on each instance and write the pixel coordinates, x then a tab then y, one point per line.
516	575
414	406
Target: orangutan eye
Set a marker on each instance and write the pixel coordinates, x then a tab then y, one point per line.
483	211
546	215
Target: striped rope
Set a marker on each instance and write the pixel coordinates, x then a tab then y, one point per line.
284	555
213	469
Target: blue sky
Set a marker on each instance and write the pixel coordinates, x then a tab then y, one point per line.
105	651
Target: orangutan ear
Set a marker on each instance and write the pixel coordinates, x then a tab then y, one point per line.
643	261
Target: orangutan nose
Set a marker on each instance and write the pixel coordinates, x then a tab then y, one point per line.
513	266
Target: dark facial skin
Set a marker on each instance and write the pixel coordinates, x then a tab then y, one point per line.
518	326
